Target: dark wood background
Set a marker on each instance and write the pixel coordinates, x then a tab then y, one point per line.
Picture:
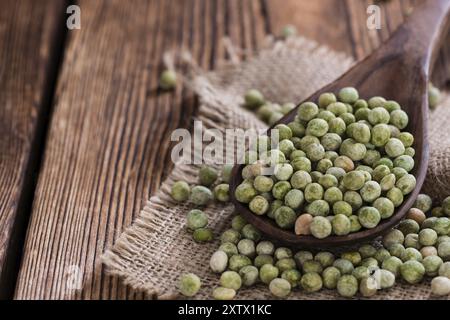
84	135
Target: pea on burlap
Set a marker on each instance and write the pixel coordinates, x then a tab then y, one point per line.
152	253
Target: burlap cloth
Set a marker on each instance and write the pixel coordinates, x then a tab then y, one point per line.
152	253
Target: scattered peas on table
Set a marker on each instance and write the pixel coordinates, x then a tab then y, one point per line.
367	270
168	80
418	248
434	96
336	174
288	31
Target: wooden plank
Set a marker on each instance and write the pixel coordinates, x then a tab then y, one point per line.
108	147
30	35
393	13
324	21
346	29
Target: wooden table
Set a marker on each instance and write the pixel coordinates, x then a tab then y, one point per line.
84	135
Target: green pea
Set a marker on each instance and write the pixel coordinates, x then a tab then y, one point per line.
259	205
189	284
347	286
196	219
412	271
326	99
348	95
250	232
253	99
307	111
180	191
320	227
267	273
203	235
245	192
369	217
285	217
311	282
207	175
331	276
222	192
293	276
168	80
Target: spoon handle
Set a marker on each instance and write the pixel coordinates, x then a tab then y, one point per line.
420	37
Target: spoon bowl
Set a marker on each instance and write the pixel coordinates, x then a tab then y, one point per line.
398	70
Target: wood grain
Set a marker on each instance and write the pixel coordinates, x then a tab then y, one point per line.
108	147
310	19
29	38
393	13
346	29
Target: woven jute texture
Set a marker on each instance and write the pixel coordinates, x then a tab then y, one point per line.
152	253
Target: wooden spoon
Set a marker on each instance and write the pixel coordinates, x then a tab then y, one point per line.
398	70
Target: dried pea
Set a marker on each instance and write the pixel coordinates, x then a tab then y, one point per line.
189	284
231	280
412	271
440	286
238	261
168	80
249	275
221	192
180	191
311	282
331	276
196	219
253	99
293	276
221	293
280	288
267	273
203	235
347	286
432	265
250	232
263	259
326	259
